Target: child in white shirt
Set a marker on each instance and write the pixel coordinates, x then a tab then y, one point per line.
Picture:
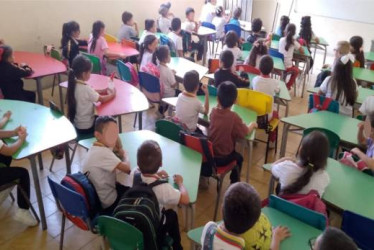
219	21
150	29
231	43
175	36
164	21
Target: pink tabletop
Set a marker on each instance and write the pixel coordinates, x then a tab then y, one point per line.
120	50
42	65
128	98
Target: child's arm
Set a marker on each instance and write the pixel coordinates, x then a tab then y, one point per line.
206	102
184	200
136	28
124	166
252	126
111	93
5	118
283	159
279	234
369	161
9	150
360	134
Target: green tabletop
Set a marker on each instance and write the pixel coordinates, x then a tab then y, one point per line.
363	93
275	45
247	115
345	127
45	128
321	41
301	232
278	63
177	159
363	74
182	65
369	56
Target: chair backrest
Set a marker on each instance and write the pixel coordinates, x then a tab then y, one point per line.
275	37
71	204
168	129
149	82
208	25
124	71
234	27
259	102
248	69
247	46
128	43
96	65
359	228
333	138
303	214
212	90
319	102
195	143
276	53
213	65
109	38
50	50
356	64
114	230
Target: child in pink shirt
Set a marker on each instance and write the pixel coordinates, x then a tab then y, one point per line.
97	44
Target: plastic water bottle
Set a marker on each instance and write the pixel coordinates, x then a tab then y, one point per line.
111	81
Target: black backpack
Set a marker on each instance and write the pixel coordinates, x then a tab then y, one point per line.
139	207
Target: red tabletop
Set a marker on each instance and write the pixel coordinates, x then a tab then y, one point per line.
120	50
128	98
42	65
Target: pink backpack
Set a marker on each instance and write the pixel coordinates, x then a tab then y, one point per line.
134	74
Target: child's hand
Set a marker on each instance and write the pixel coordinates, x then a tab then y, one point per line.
253	125
112	91
174	72
22	134
356	151
361	125
178	179
7	114
162	174
204	88
280	233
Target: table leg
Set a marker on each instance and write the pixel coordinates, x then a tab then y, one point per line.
287	108
271	186
38	192
40	160
120	123
140	118
67	159
284	140
189	216
205	42
305	75
324	56
314	55
60	94
39	90
250	149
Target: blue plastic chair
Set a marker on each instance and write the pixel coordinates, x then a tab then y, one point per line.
151	85
276	53
124	71
72	205
303	214
208	25
359	228
211	38
234	27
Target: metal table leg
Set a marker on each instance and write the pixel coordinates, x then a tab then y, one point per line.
140	118
39	90
205	42
250	149
120	123
60	94
284	140
67	159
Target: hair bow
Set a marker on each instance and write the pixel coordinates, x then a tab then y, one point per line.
349	57
311	165
1	53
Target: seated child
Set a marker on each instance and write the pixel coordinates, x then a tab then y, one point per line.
70	43
188	106
219	22
164	21
191	26
308	172
10	174
175	36
147	48
149	159
224	134
129	29
306	35
81	96
11	75
256	32
282	26
357	43
102	163
243	223
236	16
150	29
231	43
97	44
258	50
226	72
367	106
333	238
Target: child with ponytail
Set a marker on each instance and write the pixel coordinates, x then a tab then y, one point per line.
97	44
308	171
69	42
81	97
147	48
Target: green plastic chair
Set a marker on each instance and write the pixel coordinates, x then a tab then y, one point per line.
275	37
124	71
303	214
247	46
168	129
121	235
212	90
96	65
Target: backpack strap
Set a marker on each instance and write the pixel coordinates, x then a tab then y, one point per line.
326	103
209	236
156	183
137	178
317	101
208	155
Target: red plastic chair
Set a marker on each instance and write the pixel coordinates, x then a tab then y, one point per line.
205	147
213	65
248	69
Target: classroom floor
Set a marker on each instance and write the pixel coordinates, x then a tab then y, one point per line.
14	235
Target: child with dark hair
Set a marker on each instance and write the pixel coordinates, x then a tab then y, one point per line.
188	107
81	97
69	42
236	16
191	26
164	21
334	239
97	44
147	48
224	134
129	28
11	74
102	164
175	36
308	172
150	29
256	32
219	22
306	35
208	11
258	50
356	43
232	43
282	26
226	72
149	158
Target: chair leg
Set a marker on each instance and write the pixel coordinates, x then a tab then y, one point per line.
29	203
51	166
276	141
72	156
12	197
267	148
136	117
53	85
219	188
62	232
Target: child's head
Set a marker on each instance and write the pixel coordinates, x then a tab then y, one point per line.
6	54
237	13
81	70
191	81
176	24
162	54
190	14
149	44
356	43
164	9
259	48
219	11
241	208
106	130
211	1
334	238
226	59
231	39
150	25
283	23
227	94
149	157
342	79
266	65
69	30
306	29
313	155
98	29
342	48
256	25
127	18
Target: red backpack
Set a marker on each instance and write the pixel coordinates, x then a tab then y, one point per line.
327	104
